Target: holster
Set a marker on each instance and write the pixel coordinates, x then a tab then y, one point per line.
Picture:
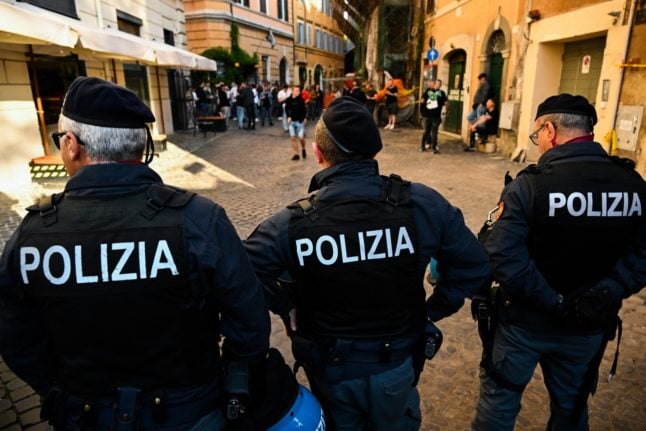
54	408
306	353
484	311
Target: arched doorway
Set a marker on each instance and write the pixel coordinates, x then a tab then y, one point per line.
282	71
318	74
495	46
302	75
455	85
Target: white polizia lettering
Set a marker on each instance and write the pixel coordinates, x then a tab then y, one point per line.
111	261
601	204
369	245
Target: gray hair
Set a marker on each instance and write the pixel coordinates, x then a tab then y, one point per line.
107	144
570	121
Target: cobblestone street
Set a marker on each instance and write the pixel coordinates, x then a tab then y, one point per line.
251	175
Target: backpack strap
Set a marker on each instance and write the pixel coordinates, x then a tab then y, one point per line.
395	191
161	196
309	207
46	207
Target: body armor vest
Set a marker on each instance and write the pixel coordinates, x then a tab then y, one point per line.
109	276
356	261
585	217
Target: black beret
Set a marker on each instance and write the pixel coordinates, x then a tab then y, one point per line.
102	103
567	104
351	127
482	75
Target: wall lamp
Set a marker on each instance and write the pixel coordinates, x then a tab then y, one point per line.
533	15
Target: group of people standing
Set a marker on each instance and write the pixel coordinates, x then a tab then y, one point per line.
247	103
483	118
116	291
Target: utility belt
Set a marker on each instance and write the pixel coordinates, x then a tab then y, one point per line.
132	409
309	352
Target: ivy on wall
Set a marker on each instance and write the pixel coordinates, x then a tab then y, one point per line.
235	64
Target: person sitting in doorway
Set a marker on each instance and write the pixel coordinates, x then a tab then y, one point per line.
485	125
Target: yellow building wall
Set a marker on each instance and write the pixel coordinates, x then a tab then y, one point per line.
543	63
550	8
310	56
208	24
634	89
459	25
21	139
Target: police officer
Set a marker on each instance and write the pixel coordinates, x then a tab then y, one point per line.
567	247
357	250
115	292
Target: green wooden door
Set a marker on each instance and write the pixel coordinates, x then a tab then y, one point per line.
582	67
495	76
453	120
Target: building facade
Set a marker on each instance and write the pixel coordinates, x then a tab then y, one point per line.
44	45
266	29
470	37
319	44
575	48
532	49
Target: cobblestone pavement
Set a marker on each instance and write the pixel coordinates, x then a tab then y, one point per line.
251	175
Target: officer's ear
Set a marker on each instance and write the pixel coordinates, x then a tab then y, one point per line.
317	153
74	148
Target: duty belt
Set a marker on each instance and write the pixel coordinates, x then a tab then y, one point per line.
133	410
338	351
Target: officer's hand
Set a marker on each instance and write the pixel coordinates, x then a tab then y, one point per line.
289	320
563	307
596	306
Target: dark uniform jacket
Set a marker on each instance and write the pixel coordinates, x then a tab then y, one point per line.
440	231
219	280
573	221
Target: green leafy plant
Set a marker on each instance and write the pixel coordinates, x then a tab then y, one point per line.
235	63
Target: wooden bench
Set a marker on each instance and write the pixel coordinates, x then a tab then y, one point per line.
209	123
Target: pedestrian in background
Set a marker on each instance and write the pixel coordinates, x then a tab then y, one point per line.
433	100
223	103
391	104
357	251
283	95
296	113
483	93
371	98
567	248
266	105
485	125
116	291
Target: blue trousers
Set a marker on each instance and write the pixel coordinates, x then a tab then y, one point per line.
516	351
240	113
476	113
385	401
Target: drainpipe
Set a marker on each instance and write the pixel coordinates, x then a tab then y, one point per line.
40	110
631	16
296	74
161	108
99	14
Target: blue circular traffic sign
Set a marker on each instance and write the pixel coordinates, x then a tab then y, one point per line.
432	54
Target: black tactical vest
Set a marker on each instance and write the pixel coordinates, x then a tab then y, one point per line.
110	278
356	261
585	216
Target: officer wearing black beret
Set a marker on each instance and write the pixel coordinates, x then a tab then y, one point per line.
356	251
115	292
567	248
